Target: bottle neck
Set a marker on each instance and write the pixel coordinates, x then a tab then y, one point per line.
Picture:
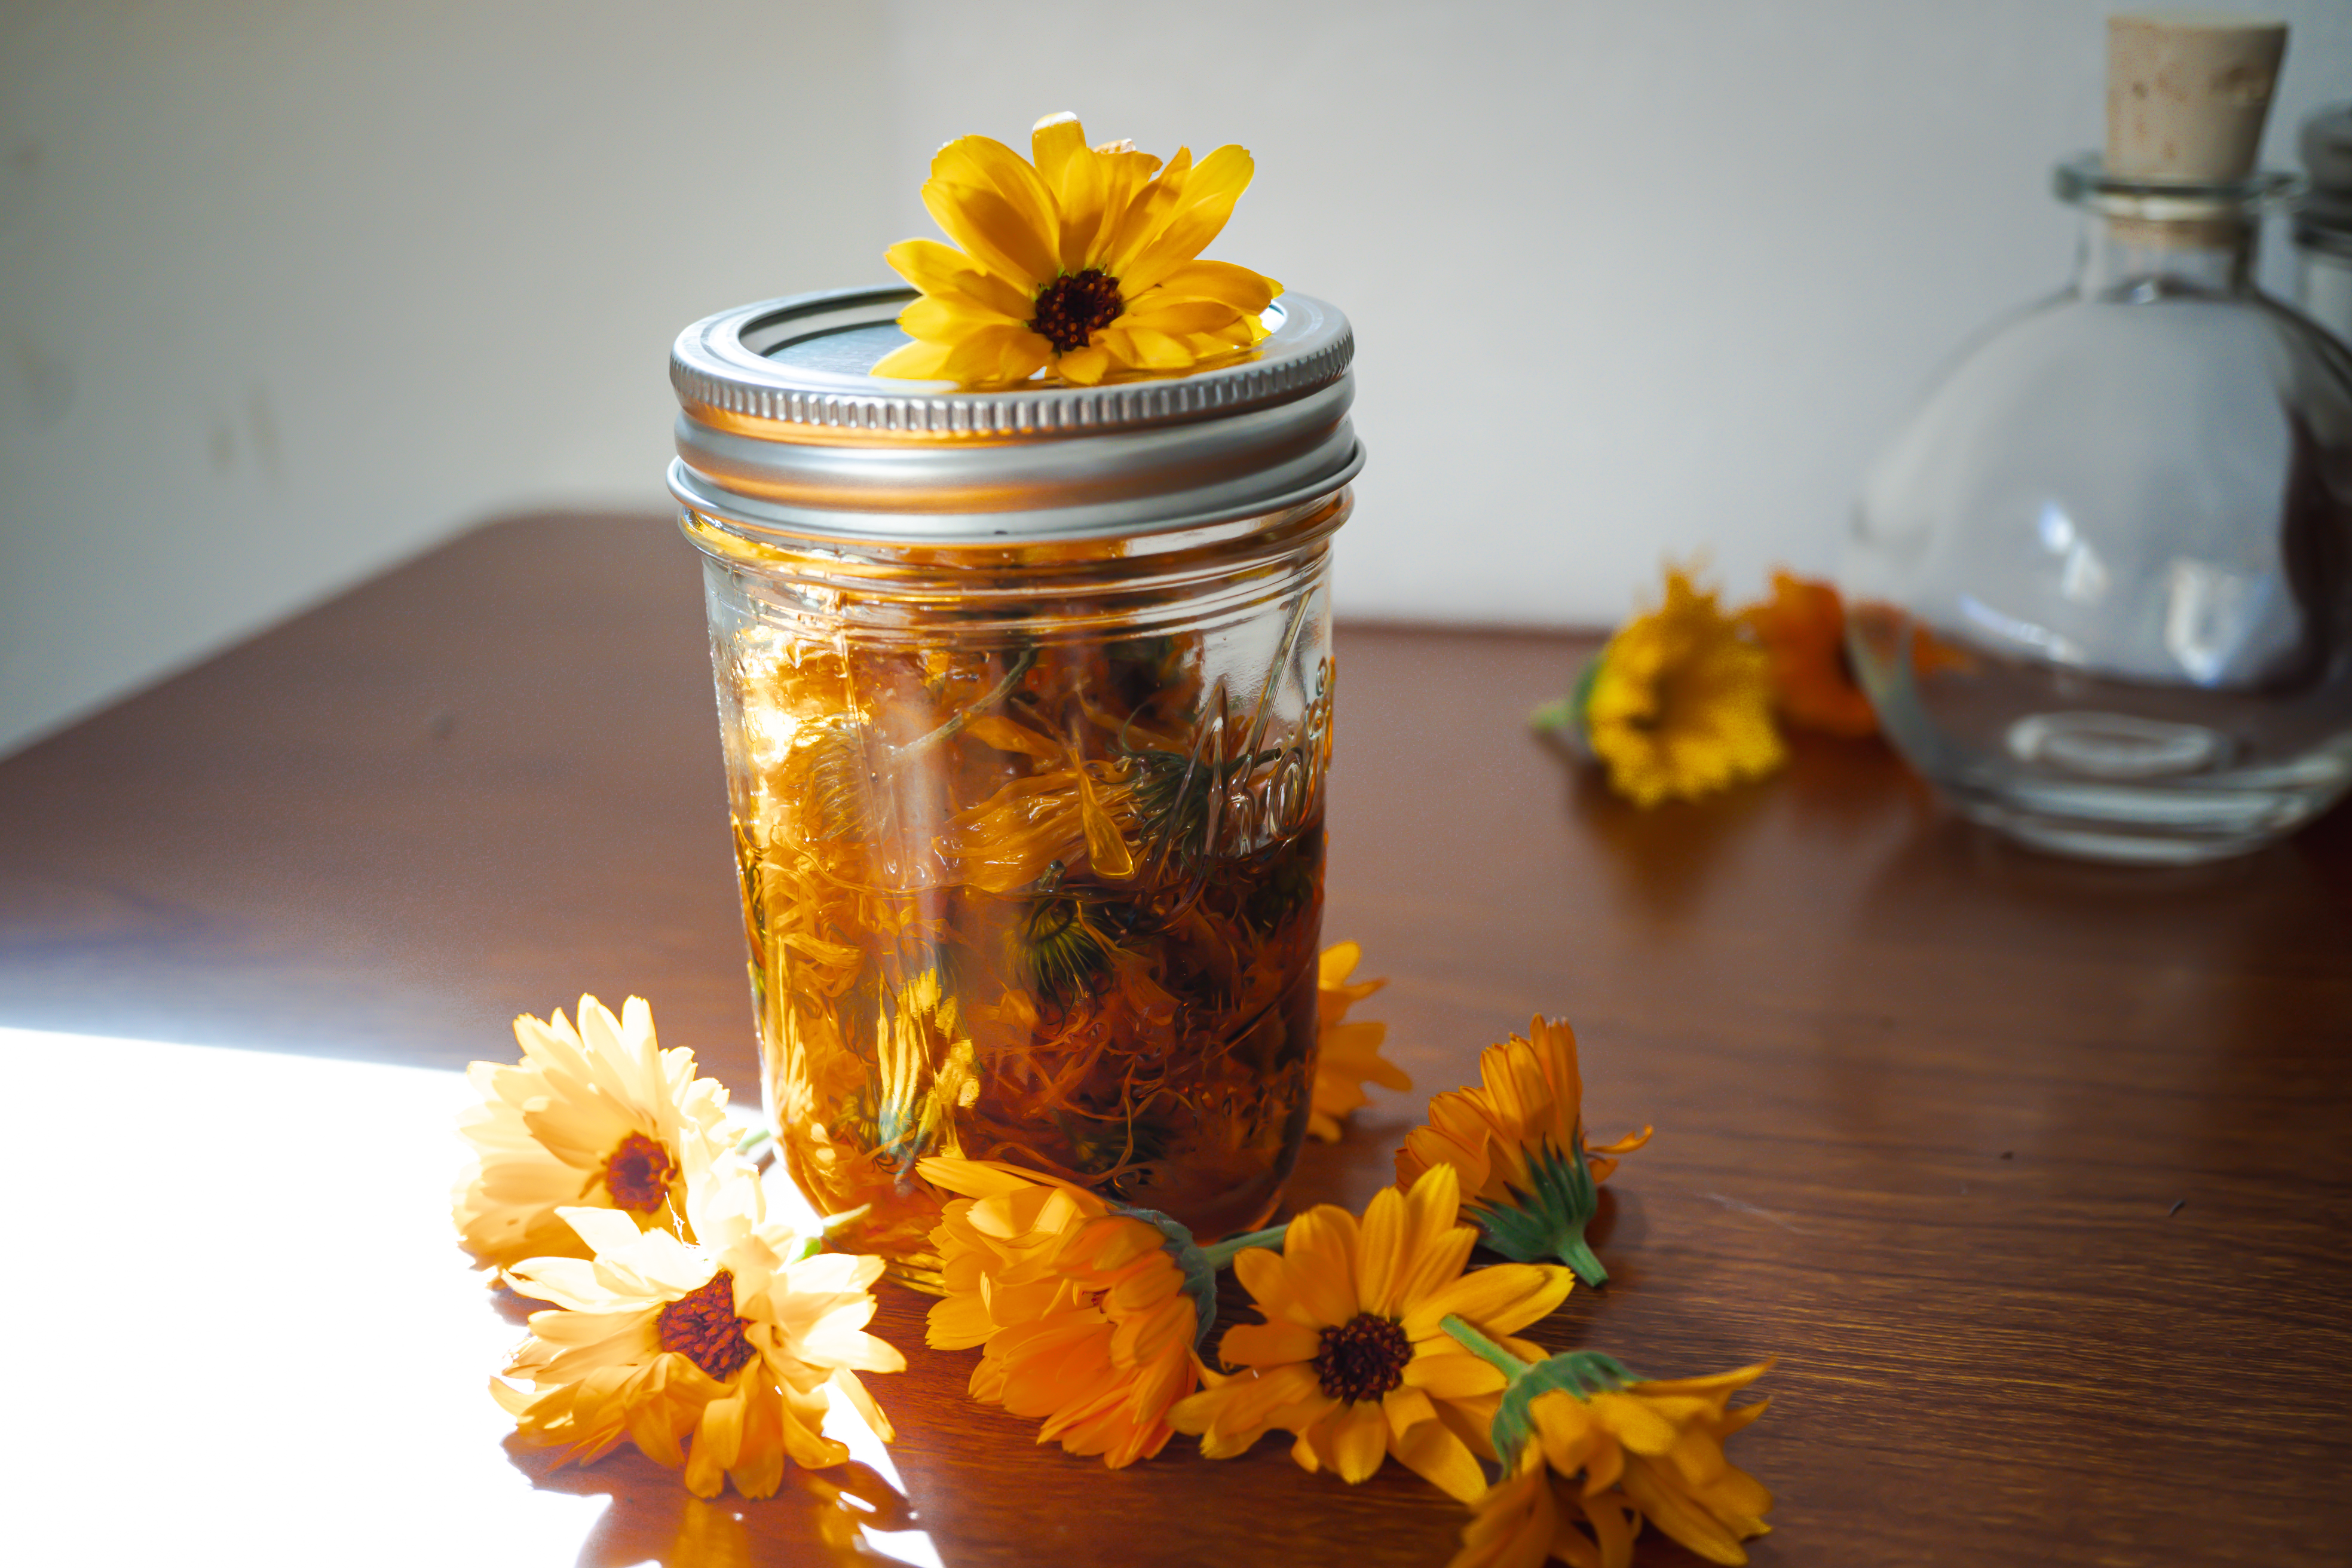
2139	258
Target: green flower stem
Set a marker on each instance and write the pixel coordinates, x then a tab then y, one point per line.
1485	1348
1573	1252
1220	1254
1549	1220
955	725
1582	1373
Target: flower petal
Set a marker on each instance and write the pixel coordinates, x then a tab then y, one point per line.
1354	1440
1498	1300
1439	1458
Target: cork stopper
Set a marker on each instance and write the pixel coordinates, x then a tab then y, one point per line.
2188	93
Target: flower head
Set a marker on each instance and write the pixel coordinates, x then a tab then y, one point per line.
1517	1142
714	1354
1351	1359
1678	704
1346	1054
1802	629
1086	1316
598	1116
1084	262
1583	1440
1528	1517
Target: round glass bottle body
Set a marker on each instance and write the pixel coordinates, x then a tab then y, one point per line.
1031	846
2101	584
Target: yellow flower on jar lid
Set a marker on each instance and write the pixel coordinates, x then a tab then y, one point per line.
594	1116
1086	263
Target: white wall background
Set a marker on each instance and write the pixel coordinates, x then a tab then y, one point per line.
1628	278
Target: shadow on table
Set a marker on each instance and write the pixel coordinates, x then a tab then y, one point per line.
1664	859
815	1516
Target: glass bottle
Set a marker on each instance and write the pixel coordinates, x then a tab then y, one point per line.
2322	222
2101	584
1025	699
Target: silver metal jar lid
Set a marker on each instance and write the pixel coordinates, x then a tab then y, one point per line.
781	427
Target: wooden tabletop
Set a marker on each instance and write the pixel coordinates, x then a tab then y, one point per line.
2036	1177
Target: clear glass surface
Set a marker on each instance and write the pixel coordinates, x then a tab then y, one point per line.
1031	844
2101	582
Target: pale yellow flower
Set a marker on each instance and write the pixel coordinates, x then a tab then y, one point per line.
1351	1358
597	1116
1679	703
715	1354
1085	1316
1346	1053
1084	263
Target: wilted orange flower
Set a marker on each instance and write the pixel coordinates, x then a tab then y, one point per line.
1610	1449
1528	1517
598	1117
1086	1317
1802	629
1517	1141
1351	1358
1346	1054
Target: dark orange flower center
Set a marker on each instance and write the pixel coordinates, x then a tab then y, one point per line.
638	1173
703	1328
1362	1357
1076	306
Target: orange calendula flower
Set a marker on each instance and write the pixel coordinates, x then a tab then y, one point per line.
1517	1142
1802	629
715	1354
598	1116
1346	1054
1084	263
1677	705
1086	1312
1528	1517
1584	1442
1351	1358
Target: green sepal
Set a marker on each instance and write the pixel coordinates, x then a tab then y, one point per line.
1550	1221
1563	717
1580	1373
1200	1264
1200	1274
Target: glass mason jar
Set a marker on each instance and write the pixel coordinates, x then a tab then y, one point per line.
2101	584
1025	699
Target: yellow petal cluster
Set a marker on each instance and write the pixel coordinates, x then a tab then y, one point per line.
713	1355
1346	1053
1084	263
1680	702
1082	1314
597	1116
1530	1104
1350	1358
1650	1451
1527	1518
